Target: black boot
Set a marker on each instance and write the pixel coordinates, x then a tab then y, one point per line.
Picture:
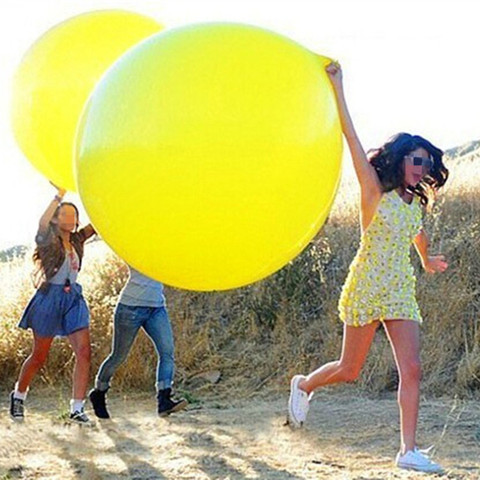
166	405
97	397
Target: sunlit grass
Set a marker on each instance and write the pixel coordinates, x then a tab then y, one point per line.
259	335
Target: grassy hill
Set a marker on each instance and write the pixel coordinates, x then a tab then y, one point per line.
258	336
9	254
469	151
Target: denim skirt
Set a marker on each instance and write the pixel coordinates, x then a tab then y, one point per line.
56	311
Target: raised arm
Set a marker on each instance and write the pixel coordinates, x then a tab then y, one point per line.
370	185
48	214
431	264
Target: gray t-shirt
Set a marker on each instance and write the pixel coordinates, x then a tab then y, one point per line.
142	291
69	269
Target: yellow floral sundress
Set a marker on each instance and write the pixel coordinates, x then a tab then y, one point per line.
381	283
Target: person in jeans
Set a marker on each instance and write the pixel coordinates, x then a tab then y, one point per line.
141	305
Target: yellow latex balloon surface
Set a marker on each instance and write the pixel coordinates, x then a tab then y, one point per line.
210	154
57	75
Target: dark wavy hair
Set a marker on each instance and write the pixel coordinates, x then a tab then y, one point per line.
388	161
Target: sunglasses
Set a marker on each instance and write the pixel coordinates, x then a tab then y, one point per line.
425	162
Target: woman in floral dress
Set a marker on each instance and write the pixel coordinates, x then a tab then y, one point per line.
396	181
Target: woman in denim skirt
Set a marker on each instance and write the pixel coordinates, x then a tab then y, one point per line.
57	308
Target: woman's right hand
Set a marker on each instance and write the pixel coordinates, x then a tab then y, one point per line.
47	216
60	191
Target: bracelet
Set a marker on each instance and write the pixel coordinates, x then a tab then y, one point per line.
58	198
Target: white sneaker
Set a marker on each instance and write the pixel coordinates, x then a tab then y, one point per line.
298	403
417	460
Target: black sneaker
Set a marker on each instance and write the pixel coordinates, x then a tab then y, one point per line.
17	409
166	405
80	417
97	397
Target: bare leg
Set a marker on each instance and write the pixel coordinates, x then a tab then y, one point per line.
404	336
355	347
80	342
36	360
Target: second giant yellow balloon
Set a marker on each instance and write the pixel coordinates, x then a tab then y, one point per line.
57	75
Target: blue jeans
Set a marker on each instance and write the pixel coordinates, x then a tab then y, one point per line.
127	322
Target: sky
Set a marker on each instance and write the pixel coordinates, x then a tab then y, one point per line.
409	65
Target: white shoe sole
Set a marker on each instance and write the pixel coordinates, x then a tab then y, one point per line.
71	421
291	418
419	469
17	419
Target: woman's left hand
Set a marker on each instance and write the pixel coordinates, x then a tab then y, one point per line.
435	264
334	72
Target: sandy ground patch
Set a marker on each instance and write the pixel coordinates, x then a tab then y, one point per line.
346	438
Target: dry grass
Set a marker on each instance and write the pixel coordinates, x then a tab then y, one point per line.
259	335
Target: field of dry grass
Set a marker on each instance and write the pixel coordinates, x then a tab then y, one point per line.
257	337
288	322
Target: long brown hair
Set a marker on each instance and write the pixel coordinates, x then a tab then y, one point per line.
49	256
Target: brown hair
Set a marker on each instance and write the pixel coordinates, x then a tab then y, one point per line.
49	253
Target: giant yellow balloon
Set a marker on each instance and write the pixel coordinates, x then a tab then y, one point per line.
57	75
209	155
